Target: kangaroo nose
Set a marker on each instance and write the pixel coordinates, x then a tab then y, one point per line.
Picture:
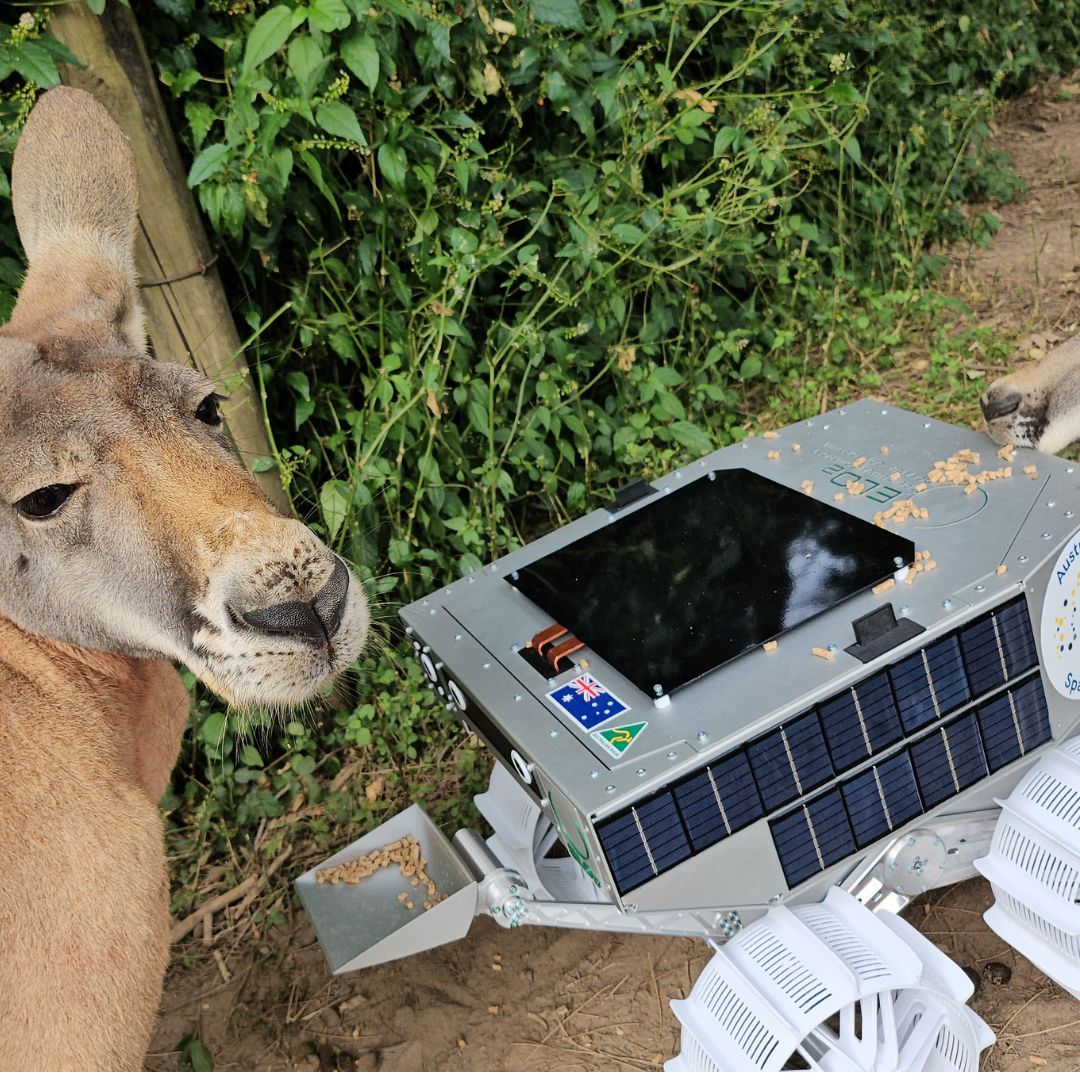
316	620
993	407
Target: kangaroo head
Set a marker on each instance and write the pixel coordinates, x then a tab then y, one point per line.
127	524
1038	405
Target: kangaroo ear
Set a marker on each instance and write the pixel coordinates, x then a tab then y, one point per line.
75	195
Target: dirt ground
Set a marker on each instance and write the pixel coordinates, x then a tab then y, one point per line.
534	999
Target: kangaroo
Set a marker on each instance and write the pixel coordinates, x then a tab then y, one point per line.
130	537
1038	405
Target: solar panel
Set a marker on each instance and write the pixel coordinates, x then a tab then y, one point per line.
881	799
644	841
1014	723
790	761
860	721
718	801
812	837
949	760
998	646
929	683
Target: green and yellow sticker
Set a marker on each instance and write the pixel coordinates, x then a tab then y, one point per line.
617	740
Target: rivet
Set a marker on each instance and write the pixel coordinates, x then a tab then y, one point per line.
1023	558
516	647
593	774
678	474
553	734
667	490
884	412
904	609
672	755
1070	470
843	412
927	424
702	736
1051	504
980	588
610	788
458	637
946	603
824	427
486	664
640	772
1046	536
517	697
1068	513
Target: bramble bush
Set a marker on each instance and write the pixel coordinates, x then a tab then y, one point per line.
498	257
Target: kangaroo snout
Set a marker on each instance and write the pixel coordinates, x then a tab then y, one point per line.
315	620
996	403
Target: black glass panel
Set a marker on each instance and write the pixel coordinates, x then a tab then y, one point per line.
690	581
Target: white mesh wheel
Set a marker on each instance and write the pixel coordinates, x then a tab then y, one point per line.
829	987
1034	867
526	840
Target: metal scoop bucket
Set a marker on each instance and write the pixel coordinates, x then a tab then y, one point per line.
366	924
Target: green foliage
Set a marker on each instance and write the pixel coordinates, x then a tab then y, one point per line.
497	259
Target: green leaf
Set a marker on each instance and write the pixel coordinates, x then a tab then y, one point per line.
200	118
334	500
35	64
852	149
271	30
361	55
213	729
262	463
328	15
336	118
306	62
691	436
392	164
250	756
399	552
558	13
193	1051
96	6
627	234
208	162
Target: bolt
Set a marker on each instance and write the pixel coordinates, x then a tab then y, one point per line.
553	734
657	689
672	755
824	427
703	736
1050	504
610	788
898	561
640	772
1069	514
927	424
593	774
517	697
980	588
1046	536
1023	558
515	909
486	664
514	575
946	603
458	637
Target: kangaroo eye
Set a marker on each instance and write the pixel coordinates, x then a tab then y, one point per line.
46	501
207	411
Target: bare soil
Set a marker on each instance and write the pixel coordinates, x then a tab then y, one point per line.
534	999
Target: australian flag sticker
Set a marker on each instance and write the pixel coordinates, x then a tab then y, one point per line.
588	702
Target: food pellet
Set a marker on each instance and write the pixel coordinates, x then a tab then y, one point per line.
885	586
769	435
1032	471
769	646
858	461
839	496
773	455
855	487
796	447
1006	452
405	853
894	477
824	654
1002	569
884	449
807	486
920	487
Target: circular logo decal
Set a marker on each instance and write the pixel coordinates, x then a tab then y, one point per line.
1060	630
524	769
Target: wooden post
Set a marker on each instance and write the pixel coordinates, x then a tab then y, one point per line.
188	318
